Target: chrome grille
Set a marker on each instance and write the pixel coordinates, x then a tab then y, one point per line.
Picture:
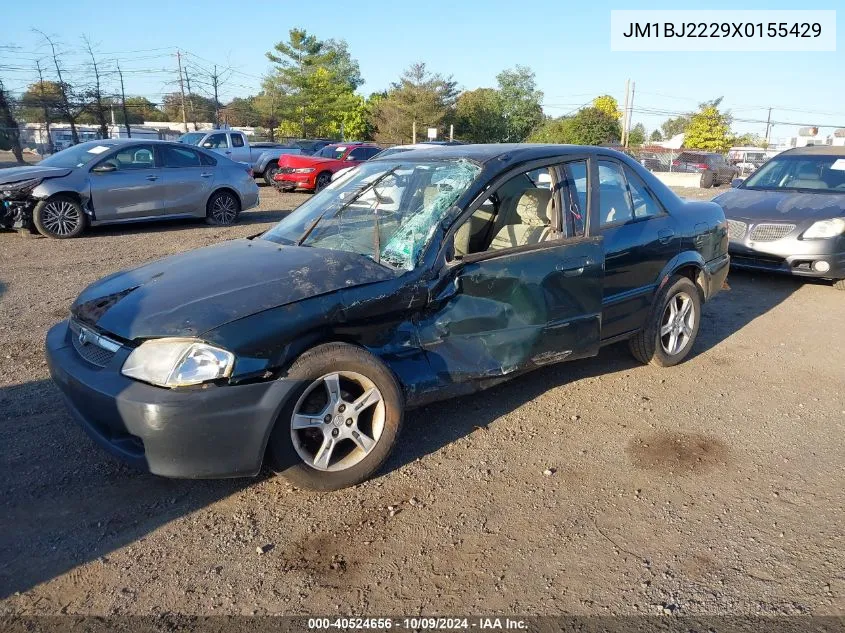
92	347
771	232
736	229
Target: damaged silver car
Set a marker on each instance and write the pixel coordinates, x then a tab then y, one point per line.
123	180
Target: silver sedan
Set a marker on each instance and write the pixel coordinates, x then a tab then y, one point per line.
124	180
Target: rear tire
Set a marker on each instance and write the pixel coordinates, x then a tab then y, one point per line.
60	217
294	451
708	179
670	332
323	180
222	209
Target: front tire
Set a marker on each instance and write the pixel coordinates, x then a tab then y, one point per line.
60	217
323	181
341	423
672	328
271	171
708	179
223	209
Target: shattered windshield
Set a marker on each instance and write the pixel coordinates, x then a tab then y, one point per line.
384	210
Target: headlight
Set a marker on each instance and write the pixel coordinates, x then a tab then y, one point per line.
178	362
20	186
303	170
825	228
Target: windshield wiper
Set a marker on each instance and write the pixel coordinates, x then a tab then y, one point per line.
357	195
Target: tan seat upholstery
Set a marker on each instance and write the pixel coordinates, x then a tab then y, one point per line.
530	222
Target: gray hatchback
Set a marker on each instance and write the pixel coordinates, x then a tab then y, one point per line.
124	180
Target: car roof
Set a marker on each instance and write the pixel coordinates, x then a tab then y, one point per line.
511	152
817	150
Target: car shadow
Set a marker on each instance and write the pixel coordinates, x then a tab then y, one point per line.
66	503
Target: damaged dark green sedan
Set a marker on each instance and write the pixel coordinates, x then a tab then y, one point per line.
413	278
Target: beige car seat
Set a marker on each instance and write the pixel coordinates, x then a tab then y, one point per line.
530	221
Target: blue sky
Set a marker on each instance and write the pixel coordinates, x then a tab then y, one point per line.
566	44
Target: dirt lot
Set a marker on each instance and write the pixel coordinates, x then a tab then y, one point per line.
714	487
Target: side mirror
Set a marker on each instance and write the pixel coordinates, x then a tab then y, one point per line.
208	145
736	182
104	168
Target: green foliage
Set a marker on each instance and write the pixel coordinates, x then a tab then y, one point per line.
589	126
709	130
655	136
749	140
480	116
419	96
636	136
34	99
197	107
674	126
608	105
521	102
313	84
240	112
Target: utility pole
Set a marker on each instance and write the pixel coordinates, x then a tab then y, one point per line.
51	149
191	99
123	102
182	89
451	132
768	126
625	112
630	114
414	132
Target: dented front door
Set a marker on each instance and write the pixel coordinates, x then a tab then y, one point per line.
515	311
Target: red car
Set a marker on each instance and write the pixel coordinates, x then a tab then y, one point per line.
315	172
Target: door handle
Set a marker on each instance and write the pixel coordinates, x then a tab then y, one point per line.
572	266
228	152
206	175
152	177
665	235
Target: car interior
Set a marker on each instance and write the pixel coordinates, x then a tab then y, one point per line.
132	158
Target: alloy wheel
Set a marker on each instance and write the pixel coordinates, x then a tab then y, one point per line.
61	217
224	209
337	421
677	324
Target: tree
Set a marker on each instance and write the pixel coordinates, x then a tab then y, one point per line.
201	108
656	136
480	116
94	94
674	126
141	109
708	130
608	105
40	103
636	136
521	102
9	134
241	112
69	112
314	79
419	97
589	126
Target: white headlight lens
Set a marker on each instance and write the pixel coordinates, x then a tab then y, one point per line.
303	170
826	228
178	362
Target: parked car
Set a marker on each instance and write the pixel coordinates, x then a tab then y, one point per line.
789	216
311	146
235	145
315	172
397	149
651	161
304	346
124	180
747	159
714	169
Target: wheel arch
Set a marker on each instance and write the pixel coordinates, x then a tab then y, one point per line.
225	188
688	264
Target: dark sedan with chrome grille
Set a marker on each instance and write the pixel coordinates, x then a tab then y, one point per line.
789	216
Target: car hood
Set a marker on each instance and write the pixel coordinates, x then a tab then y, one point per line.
191	293
15	174
299	160
780	206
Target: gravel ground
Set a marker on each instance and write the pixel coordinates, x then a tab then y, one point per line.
594	487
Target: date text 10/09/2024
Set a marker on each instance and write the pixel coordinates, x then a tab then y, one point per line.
420	623
723	29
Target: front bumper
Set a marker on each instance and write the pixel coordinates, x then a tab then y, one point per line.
287	180
791	256
208	431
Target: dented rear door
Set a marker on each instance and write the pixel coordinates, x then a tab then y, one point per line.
513	311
